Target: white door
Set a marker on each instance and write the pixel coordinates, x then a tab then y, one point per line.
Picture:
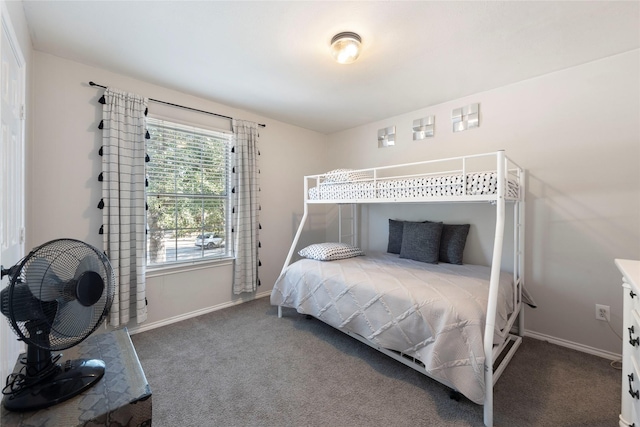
12	171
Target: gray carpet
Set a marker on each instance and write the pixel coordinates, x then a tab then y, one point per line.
242	366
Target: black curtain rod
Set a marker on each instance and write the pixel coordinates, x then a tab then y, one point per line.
181	106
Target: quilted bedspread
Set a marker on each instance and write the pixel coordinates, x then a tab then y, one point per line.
433	312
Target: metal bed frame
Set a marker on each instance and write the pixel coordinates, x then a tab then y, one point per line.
506	170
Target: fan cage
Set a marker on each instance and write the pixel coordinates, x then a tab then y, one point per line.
47	307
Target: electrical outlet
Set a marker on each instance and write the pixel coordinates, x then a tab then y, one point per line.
602	312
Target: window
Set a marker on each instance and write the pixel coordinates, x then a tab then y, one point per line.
187	193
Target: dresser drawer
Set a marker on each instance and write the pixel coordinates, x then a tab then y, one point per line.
631	297
630	404
632	374
632	333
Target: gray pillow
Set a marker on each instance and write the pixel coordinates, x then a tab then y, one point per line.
421	241
395	236
452	242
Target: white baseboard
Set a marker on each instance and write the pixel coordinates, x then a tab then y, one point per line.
153	325
573	345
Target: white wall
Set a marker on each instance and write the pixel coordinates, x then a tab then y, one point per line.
577	132
63	167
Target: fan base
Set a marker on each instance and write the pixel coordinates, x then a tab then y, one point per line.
74	377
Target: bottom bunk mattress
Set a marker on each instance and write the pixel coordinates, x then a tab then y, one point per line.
432	312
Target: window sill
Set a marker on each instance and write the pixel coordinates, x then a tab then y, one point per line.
180	267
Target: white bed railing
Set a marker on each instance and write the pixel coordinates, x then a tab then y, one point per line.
374	180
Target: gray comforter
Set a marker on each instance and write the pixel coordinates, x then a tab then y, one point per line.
435	313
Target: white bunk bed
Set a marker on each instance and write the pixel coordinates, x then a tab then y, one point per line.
491	177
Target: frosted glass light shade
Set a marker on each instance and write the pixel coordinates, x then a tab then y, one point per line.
345	47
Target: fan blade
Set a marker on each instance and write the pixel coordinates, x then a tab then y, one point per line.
22	311
72	320
43	282
23	305
88	263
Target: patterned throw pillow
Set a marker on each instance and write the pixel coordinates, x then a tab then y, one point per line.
330	251
346	175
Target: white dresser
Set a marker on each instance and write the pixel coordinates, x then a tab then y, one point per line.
630	408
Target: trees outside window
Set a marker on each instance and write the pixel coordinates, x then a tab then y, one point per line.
187	193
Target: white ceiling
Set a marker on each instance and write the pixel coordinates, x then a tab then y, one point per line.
272	57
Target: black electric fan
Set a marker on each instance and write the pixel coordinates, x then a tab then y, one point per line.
56	297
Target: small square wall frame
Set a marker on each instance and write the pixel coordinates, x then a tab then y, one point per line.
387	137
424	128
465	117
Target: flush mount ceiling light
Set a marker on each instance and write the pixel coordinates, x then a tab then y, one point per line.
345	47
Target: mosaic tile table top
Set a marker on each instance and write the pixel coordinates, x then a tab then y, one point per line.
121	398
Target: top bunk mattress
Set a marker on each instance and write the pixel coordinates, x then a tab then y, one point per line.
424	187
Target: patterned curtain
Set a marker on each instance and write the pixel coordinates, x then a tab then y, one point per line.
246	206
123	203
